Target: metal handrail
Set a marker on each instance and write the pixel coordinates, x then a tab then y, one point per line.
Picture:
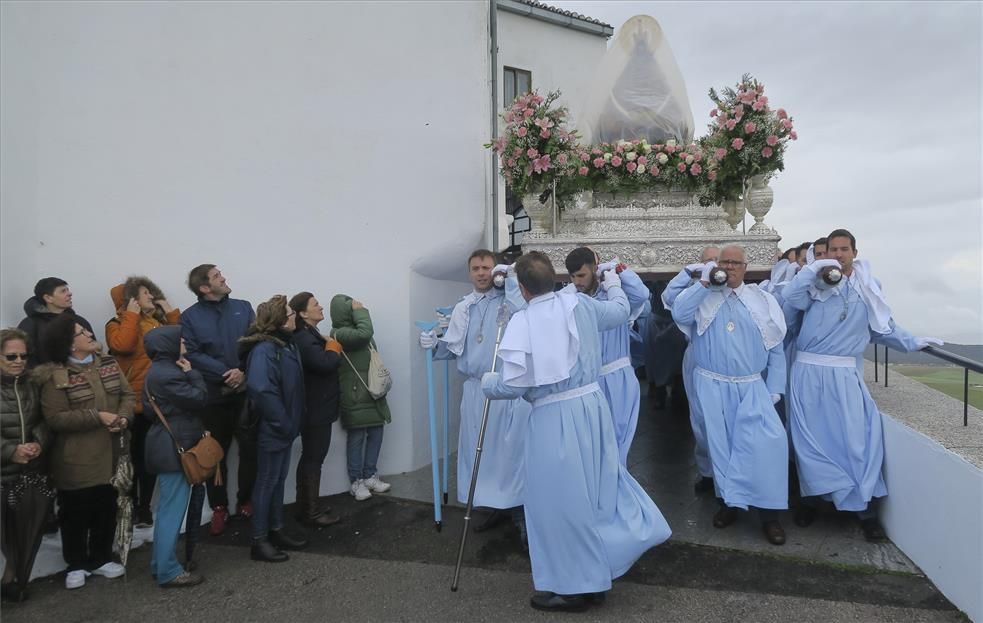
964	362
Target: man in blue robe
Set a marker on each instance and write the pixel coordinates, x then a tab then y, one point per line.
470	338
835	425
687	277
588	519
618	380
736	332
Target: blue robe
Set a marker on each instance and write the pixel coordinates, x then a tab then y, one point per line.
617	379
701	455
746	440
588	519
836	427
500	476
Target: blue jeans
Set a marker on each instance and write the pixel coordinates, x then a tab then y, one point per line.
267	500
174	492
363	451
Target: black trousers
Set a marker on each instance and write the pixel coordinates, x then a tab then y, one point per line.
143	482
315	438
226	421
88	525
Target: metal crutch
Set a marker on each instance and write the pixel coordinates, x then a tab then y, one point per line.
501	320
428	355
446	311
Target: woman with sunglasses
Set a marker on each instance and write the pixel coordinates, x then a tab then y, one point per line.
88	404
24	436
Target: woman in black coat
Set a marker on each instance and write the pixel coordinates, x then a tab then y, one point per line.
321	357
178	392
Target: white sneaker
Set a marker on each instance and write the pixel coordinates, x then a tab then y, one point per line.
75	579
375	485
110	570
360	491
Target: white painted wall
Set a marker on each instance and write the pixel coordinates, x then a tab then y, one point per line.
329	146
559	58
933	513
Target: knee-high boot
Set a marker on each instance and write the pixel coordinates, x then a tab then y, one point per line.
310	512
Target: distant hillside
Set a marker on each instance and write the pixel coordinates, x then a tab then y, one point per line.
970	351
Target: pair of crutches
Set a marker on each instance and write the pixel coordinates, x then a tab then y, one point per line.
501	321
438	486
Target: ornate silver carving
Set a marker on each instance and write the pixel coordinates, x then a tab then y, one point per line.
651	232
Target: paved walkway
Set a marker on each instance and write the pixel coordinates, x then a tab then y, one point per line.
386	562
661	459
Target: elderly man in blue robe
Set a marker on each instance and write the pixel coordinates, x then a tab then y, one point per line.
737	331
687	277
835	425
469	337
618	380
588	519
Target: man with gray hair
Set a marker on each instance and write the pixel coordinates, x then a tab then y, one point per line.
736	332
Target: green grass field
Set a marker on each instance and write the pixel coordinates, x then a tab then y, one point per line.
948	380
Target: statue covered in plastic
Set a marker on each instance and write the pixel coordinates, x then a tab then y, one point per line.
638	90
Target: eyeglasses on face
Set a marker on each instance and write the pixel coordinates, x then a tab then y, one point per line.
16	356
731	263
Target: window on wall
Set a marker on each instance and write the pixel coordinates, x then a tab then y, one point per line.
517	82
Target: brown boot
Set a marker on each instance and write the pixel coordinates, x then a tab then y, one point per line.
310	513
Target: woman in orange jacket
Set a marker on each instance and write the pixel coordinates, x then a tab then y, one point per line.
140	308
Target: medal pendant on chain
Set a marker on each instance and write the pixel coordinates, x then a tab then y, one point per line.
480	338
730	326
842	316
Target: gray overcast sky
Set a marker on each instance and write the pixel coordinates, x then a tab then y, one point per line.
887	103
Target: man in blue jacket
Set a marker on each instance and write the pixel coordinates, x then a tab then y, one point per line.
212	328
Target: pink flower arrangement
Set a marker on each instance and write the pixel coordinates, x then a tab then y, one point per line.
746	138
535	147
755	147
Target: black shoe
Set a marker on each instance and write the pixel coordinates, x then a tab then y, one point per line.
804	516
12	593
724	517
284	541
264	551
558	603
596	599
774	532
496	517
704	484
873	531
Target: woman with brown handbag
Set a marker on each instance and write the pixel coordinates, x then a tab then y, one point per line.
173	394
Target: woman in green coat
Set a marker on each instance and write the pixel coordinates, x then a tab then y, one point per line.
361	415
